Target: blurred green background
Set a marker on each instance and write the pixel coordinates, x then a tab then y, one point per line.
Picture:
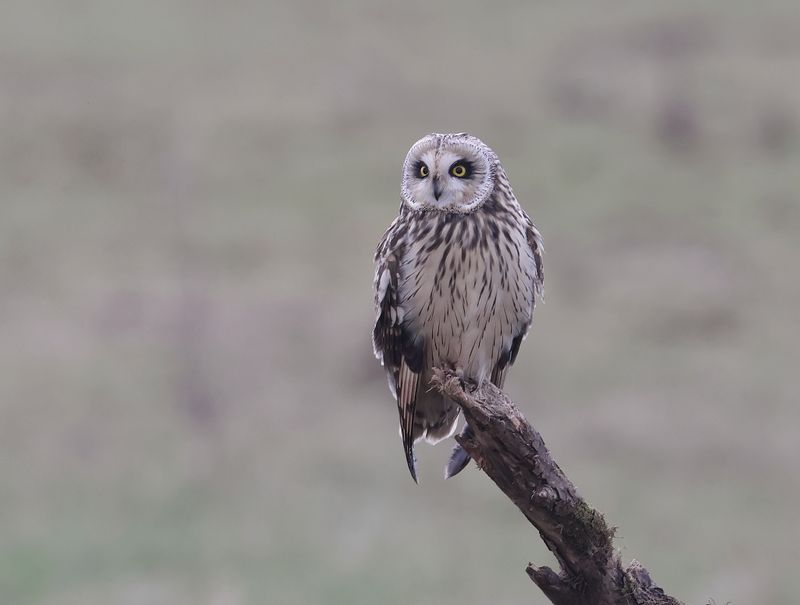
190	412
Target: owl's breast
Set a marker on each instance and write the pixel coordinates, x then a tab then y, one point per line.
468	295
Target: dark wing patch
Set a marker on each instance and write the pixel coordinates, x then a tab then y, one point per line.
507	358
499	375
400	352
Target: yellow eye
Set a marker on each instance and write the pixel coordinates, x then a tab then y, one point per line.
422	170
458	170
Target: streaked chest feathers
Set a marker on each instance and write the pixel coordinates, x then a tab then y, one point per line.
466	288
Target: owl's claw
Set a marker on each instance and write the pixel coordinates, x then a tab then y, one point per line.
467	384
470	385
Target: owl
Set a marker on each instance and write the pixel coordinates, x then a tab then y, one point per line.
457	275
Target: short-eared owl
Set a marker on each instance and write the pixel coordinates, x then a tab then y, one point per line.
457	275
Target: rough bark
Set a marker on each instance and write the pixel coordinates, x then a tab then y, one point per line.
512	453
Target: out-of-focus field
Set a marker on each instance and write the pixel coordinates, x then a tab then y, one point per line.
190	194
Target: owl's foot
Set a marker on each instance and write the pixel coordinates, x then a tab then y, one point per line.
459	458
468	384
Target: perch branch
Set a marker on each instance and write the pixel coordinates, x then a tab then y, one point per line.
512	453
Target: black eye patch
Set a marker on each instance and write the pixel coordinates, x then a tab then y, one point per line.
461	169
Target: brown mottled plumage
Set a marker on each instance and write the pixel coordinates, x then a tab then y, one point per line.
457	276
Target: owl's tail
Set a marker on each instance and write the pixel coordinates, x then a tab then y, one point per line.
435	419
408	447
459	458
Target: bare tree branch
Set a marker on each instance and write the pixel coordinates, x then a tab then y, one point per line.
512	453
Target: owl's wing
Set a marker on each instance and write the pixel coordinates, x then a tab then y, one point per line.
537	250
509	356
397	349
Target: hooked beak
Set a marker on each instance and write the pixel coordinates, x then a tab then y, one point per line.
437	188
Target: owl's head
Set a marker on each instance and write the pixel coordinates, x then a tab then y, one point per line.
448	172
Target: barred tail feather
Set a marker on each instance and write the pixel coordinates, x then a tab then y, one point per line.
408	384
